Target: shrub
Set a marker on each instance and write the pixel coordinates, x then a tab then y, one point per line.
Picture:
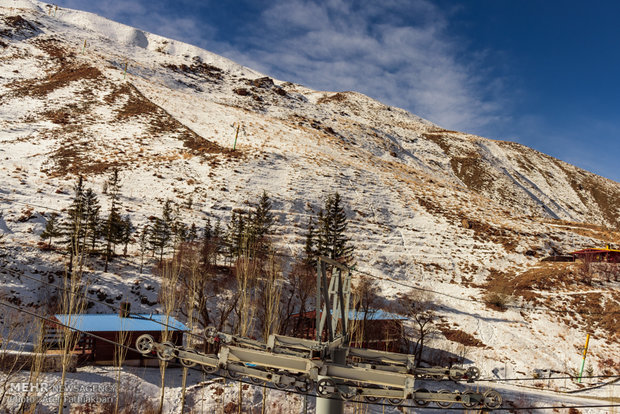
497	301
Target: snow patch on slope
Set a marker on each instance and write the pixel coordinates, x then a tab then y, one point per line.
21	4
130	36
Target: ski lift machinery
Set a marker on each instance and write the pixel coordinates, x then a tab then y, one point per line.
336	371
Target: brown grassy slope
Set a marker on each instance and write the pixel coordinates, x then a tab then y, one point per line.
579	292
468	164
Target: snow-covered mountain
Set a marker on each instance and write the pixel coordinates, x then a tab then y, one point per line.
446	210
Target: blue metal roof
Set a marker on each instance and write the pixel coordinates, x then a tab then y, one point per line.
113	322
374	315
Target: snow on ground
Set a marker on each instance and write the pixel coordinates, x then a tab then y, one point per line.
417	214
140	387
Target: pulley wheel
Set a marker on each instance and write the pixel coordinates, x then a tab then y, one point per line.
208	369
210	333
144	343
473	374
444	404
492	399
167	353
233	374
395	401
371	399
186	362
322	387
420	402
457	376
470	404
348	394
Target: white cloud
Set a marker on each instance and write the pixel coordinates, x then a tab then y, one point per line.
397	51
152	16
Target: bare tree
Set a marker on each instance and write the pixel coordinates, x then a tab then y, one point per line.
246	272
13	335
188	256
367	302
420	308
270	294
301	290
120	353
36	367
269	302
168	299
72	305
201	282
247	269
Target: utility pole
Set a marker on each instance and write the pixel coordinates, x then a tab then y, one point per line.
236	135
335	297
332	405
304	408
583	362
238	127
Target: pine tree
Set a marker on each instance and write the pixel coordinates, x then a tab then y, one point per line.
73	227
113	222
127	229
208	231
172	216
91	212
217	230
161	233
262	219
332	241
192	234
217	239
207	249
309	245
167	214
159	237
144	238
52	229
320	235
180	232
209	246
236	234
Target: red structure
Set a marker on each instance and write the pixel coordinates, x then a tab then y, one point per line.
607	255
374	329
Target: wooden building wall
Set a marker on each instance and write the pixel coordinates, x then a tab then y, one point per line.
383	335
103	352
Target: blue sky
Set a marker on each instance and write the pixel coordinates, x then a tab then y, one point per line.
542	73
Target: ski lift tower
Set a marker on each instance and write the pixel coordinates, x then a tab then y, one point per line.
332	315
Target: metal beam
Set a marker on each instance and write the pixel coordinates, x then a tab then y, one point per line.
270	360
326	308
